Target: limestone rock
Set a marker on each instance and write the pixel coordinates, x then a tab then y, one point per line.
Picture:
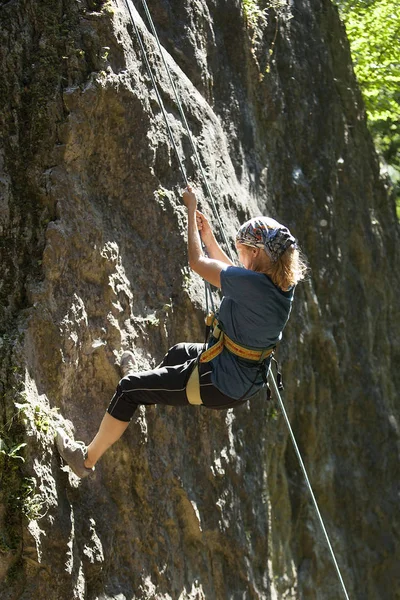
190	504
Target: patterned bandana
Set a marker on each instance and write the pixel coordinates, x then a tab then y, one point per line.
263	232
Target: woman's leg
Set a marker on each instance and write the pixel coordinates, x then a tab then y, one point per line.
109	432
164	385
180	353
211	396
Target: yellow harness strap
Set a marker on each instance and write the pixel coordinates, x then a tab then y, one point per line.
252	354
193	387
224	341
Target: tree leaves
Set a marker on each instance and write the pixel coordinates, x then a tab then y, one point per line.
373	29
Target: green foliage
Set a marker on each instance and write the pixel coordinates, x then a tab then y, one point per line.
12	452
373	29
40	417
31	504
162	193
42	422
108	8
11	460
252	12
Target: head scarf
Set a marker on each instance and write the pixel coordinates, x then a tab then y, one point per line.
263	232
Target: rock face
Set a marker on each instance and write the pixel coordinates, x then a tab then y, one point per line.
190	503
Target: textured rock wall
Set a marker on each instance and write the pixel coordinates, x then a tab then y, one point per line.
190	503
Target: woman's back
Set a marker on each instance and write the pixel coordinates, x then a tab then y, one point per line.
253	313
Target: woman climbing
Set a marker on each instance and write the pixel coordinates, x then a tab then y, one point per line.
256	304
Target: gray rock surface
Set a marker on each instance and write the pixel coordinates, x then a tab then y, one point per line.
190	504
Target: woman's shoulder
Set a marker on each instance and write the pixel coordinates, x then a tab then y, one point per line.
287	293
242	273
247	286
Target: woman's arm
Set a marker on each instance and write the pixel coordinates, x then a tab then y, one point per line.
214	250
208	268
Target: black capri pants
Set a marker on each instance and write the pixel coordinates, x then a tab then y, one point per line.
167	384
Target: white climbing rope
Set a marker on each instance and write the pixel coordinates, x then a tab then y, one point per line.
222	230
181	111
129	6
282	407
207	288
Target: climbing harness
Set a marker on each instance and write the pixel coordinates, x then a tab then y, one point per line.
256	356
224	341
193	387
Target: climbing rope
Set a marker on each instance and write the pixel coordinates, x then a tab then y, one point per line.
216	214
207	287
181	111
282	406
155	86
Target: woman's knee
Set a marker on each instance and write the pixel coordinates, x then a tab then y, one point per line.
121	407
173	355
128	383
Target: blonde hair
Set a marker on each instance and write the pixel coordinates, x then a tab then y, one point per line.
290	268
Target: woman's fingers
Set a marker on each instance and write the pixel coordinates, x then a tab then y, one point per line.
202	224
189	198
201	217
